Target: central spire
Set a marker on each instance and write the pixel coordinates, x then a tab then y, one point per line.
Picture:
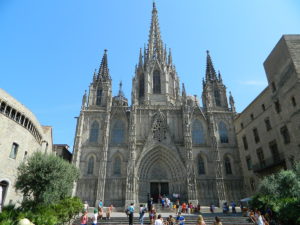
155	44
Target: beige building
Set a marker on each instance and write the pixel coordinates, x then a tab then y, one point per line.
20	135
268	130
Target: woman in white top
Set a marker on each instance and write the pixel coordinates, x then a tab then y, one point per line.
260	220
159	220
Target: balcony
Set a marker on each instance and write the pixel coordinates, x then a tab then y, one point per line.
269	163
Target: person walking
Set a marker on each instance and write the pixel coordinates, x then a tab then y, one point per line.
200	220
95	217
131	211
142	214
159	220
233	205
177	204
150	204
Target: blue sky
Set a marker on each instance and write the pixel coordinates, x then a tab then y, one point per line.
49	49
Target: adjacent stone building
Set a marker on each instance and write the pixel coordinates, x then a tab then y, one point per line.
163	143
20	135
62	150
268	130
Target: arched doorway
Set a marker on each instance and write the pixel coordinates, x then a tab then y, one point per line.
161	172
3	190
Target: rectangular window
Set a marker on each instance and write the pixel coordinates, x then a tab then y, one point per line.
293	100
263	107
14	151
242	125
249	162
252	117
268	124
285	134
261	157
274	151
245	142
256	136
277	106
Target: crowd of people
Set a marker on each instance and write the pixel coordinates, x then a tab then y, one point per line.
179	209
99	214
264	217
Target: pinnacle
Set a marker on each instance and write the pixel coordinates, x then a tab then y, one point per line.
103	70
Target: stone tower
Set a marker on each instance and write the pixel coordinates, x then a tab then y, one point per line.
164	143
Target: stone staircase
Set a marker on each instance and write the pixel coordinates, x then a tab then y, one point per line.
190	219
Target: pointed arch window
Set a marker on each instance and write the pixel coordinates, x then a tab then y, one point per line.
156	82
142	86
197	132
90	169
99	96
117	166
227	165
217	98
201	165
94	132
118	132
223	132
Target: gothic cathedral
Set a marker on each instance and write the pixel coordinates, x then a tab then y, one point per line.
163	143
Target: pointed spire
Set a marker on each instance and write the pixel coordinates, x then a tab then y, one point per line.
155	44
141	58
95	76
183	91
231	102
165	53
210	70
121	93
103	70
170	60
220	77
203	83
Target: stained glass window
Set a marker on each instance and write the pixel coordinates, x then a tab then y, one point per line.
90	169
223	132
118	132
156	82
197	132
94	132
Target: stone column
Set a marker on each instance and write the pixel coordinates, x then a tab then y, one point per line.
190	170
131	195
103	154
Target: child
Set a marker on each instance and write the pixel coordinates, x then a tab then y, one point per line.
95	216
108	212
84	218
100	214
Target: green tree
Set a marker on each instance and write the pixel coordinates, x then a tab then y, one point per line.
281	193
46	178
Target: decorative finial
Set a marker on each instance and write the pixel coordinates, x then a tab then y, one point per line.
207	52
105	50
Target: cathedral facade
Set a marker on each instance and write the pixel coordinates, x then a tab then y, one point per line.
164	143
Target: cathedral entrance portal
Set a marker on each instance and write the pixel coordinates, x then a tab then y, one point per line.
158	189
160	172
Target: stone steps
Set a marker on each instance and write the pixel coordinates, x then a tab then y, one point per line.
190	219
